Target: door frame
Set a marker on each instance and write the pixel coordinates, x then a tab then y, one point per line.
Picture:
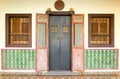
69	13
42	51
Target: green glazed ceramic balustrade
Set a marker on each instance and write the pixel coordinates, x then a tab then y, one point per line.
101	59
18	59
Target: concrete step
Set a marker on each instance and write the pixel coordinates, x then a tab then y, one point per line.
60	73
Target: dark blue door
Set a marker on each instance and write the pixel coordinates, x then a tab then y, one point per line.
60	42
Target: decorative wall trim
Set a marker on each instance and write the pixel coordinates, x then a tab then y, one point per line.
23	59
101	59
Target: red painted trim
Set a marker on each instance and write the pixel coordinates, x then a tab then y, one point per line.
118	58
36	61
47	42
36	43
1	59
83	42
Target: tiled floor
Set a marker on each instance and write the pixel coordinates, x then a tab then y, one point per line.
60	75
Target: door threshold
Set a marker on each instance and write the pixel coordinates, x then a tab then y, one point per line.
60	73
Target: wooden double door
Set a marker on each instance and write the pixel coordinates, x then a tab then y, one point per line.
60	42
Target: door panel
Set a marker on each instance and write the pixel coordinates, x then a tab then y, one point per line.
77	42
42	42
60	42
54	42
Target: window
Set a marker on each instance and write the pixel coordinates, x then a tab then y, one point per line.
101	30
18	30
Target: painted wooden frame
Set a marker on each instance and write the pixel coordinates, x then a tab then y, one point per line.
111	17
8	16
77	51
42	51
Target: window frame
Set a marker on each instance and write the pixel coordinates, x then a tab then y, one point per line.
7	21
111	17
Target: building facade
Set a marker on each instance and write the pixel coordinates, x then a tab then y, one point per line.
80	36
